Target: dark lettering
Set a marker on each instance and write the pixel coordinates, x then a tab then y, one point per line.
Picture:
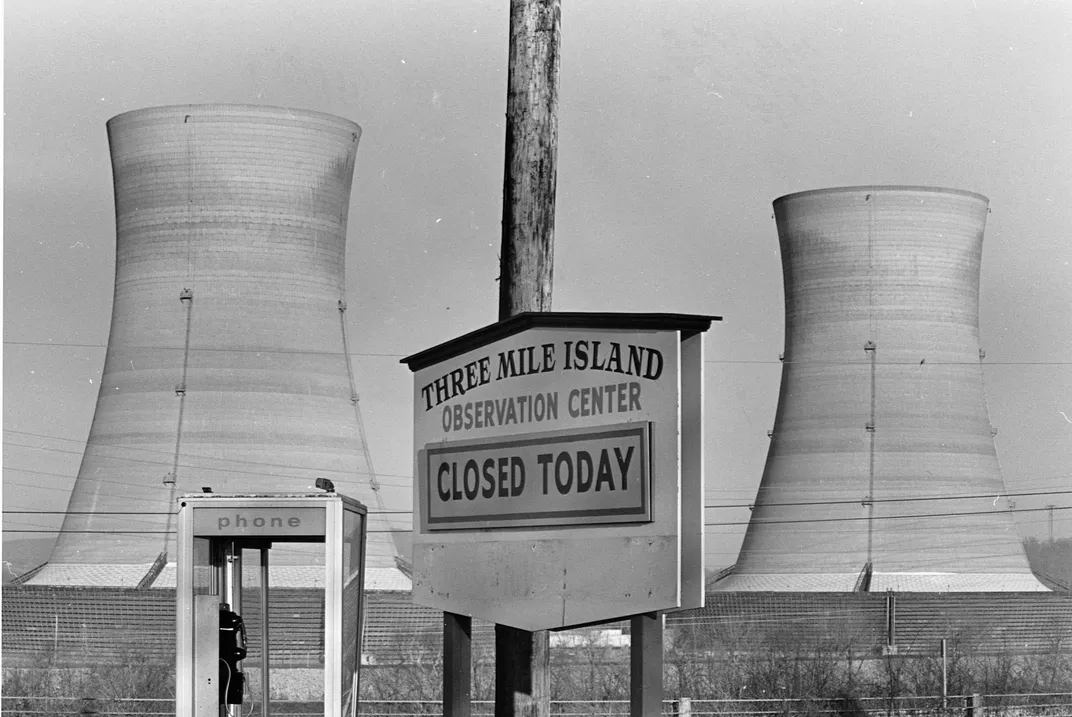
517	476
623	464
442	392
504	463
258	522
548	357
584	477
604	475
507	367
615	358
596	366
581	352
489	478
471	467
444	470
636	355
455	491
544	460
563	483
634	396
294	522
655	365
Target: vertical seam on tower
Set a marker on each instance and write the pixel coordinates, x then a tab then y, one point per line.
872	348
186	296
189	196
355	400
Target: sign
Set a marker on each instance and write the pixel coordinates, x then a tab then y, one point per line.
557	478
548	484
256	522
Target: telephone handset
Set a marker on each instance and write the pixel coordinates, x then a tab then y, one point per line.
232	651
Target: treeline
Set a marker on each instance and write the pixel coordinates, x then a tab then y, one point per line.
737	661
1052	558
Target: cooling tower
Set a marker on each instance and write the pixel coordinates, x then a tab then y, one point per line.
882	472
227	362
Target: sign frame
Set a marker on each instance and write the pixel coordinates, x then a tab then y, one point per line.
626	514
554	576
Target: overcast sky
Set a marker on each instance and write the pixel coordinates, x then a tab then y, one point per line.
680	122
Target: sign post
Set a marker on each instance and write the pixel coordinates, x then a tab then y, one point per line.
559	473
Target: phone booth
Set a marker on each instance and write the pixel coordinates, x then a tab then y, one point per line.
265	583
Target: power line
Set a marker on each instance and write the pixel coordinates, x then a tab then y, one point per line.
206	349
405	478
134	512
170	454
891	500
763	522
143	532
890	517
310	472
772	362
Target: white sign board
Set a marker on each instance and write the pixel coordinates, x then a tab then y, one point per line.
548	484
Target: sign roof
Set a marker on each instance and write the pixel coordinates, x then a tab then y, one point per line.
687	324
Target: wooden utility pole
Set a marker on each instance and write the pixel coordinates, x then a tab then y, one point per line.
522	658
528	224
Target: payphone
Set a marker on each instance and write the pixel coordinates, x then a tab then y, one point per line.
232	550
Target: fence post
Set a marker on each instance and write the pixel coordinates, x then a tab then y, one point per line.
945	676
683	707
973	705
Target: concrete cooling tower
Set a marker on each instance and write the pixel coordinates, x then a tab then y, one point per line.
227	362
882	472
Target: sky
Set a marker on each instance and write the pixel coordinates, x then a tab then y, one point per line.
679	124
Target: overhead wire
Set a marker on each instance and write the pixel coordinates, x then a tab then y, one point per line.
408	479
374	354
778	522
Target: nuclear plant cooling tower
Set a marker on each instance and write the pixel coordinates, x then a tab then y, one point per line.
227	362
882	472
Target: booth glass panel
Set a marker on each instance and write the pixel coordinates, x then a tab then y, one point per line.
351	608
296	601
204	573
